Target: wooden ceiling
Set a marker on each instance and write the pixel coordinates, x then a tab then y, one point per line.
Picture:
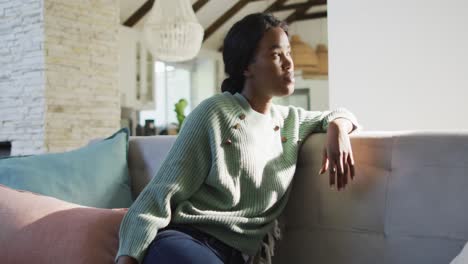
299	11
146	7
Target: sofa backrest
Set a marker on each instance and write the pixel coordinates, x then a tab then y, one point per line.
407	204
145	156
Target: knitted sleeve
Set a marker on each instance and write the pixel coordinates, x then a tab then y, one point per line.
180	175
318	121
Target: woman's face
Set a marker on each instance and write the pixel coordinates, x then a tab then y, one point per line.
272	71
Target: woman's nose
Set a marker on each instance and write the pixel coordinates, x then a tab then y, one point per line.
288	63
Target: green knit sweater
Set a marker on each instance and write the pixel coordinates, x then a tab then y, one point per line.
227	174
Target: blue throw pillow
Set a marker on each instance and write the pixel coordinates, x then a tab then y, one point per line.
95	175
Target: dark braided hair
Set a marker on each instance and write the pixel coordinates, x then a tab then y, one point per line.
240	45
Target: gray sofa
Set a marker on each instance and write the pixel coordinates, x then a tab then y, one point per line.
407	204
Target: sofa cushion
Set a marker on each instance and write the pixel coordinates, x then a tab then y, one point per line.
95	175
42	229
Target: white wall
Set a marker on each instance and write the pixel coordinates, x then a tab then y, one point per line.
400	65
203	80
128	38
205	76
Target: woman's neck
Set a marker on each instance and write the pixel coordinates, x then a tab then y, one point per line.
258	102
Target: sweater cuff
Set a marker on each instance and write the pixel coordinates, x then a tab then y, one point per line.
341	113
139	256
121	253
134	246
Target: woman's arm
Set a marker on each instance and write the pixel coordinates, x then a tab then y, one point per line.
181	174
343	124
318	121
337	154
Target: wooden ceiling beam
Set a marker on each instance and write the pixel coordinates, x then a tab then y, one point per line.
225	17
141	12
146	7
199	4
316	15
298	6
302	10
275	6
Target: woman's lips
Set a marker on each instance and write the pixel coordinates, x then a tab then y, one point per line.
289	78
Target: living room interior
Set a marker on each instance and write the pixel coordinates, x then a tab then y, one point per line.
76	72
92	78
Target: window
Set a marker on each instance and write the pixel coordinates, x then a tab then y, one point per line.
172	82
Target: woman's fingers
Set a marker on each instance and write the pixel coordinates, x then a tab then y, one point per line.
345	169
338	179
340	173
351	165
324	162
340	169
340	166
332	172
339	159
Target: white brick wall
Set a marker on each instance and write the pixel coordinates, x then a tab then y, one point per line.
82	72
58	75
22	69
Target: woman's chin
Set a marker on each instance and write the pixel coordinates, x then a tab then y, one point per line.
285	90
289	89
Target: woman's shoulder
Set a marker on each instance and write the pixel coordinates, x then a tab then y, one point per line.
220	103
219	99
286	111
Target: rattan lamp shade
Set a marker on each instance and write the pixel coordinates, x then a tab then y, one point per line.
172	32
304	56
322	53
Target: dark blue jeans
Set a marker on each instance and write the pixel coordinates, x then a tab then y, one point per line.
179	244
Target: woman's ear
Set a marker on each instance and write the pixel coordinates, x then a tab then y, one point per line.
248	72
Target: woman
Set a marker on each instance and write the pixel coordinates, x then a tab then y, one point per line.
228	175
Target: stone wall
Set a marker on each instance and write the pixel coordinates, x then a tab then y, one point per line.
82	65
58	73
22	102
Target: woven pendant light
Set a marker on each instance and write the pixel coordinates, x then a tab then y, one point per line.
172	32
304	56
322	54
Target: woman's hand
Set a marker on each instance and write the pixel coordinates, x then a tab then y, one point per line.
337	154
126	260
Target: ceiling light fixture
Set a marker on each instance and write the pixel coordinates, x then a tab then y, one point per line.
172	32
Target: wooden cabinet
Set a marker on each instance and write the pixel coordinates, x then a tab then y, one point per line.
136	71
